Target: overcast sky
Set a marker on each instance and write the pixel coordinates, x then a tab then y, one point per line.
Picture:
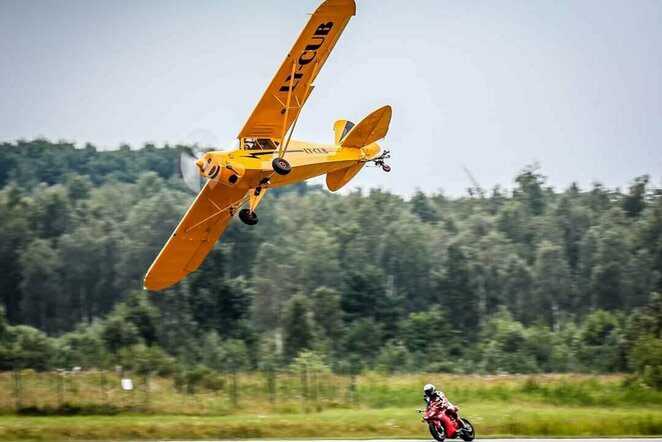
495	85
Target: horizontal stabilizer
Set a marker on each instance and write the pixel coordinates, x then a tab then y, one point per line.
372	128
336	179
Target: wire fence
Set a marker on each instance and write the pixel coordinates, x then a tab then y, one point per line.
90	392
207	392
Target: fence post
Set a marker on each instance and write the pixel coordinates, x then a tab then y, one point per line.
271	384
353	390
102	385
234	388
146	391
315	386
17	389
60	387
304	385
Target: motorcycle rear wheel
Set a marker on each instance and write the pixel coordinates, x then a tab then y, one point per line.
469	433
437	432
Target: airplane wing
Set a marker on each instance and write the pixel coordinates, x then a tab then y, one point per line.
195	236
299	69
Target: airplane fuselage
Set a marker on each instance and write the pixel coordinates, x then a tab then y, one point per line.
249	168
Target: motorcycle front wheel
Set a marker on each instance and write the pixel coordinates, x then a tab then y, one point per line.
469	433
437	432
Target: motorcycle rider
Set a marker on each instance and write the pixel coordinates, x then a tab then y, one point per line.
430	393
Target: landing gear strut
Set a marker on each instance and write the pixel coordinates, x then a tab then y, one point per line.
248	215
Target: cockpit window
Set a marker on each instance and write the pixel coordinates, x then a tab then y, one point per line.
266	143
260	144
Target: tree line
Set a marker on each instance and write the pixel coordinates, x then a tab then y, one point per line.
527	279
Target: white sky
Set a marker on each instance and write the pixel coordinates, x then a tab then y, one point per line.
572	84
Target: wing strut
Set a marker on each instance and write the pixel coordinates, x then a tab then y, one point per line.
231	210
287	110
283	146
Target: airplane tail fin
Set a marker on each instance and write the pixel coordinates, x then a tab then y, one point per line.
363	135
340	129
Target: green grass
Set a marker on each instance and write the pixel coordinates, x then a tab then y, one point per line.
84	408
505	420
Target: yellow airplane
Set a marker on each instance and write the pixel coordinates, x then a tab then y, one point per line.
268	157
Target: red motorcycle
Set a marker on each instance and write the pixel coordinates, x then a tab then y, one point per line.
444	425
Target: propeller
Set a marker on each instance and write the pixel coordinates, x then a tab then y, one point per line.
188	168
202	141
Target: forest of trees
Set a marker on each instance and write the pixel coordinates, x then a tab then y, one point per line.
521	280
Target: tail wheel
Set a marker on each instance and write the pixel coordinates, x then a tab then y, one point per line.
437	431
248	217
468	433
281	166
386	168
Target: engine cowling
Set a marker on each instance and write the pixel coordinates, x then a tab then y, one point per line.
219	168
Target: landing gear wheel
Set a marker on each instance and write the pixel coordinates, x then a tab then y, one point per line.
386	168
437	432
281	166
248	217
468	433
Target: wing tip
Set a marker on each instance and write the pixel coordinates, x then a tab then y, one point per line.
152	285
386	108
337	7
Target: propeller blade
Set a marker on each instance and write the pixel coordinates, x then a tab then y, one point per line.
189	171
199	141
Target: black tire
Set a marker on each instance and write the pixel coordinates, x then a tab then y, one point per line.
439	433
248	217
386	168
281	166
469	432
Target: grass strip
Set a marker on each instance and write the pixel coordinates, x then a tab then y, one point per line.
490	420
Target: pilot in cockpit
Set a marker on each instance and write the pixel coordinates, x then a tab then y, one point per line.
250	144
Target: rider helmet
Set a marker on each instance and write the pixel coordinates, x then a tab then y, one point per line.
429	389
